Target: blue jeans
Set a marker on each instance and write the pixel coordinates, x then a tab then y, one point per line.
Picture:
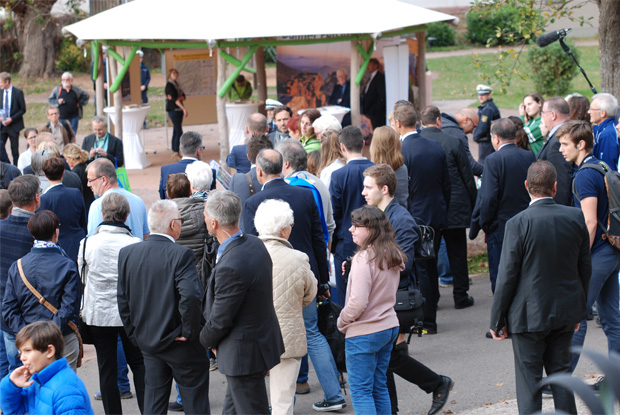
321	355
604	290
12	353
121	362
303	370
368	358
176	117
443	264
494	250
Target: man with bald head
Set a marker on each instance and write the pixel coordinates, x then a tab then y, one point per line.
256	126
307	237
459	125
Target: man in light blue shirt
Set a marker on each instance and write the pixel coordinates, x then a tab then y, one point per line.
101	177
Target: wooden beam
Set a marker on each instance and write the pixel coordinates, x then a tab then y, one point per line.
227	84
261	79
356	118
222	119
421	70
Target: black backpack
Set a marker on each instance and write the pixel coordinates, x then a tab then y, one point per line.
611	232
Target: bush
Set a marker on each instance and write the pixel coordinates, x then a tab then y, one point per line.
500	24
552	69
444	34
71	58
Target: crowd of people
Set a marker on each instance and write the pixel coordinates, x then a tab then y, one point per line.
231	280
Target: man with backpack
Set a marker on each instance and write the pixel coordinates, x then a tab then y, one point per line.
590	194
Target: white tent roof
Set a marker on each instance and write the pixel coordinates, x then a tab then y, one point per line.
244	19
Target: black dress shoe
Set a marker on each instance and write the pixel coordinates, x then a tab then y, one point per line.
489	335
440	395
175	407
468	302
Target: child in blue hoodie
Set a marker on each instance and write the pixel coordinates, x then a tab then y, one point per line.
45	384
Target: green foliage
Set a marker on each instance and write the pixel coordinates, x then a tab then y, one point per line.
552	70
71	57
444	34
502	22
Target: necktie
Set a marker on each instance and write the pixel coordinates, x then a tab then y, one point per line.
7	109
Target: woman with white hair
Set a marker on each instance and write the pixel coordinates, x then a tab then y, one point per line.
200	178
294	287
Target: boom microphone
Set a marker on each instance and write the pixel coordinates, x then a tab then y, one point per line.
551	37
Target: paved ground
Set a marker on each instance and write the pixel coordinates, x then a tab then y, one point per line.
482	369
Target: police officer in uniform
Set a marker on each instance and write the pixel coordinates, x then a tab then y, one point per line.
487	113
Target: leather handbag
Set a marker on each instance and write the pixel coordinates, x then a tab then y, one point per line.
51	308
425	249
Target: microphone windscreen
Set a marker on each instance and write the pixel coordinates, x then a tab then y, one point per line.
547	39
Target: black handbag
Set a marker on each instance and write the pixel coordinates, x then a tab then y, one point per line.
409	308
328	313
425	248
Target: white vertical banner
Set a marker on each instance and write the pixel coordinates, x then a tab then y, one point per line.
396	64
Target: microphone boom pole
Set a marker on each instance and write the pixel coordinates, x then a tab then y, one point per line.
570	53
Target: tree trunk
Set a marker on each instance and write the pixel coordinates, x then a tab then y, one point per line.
36	33
609	33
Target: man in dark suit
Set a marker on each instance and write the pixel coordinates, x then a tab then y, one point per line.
191	150
246	185
14	108
556	112
67	204
462	199
159	300
429	198
241	324
373	95
345	187
341	94
307	237
546	262
459	125
103	144
501	194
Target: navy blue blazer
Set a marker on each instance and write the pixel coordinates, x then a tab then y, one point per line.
307	234
502	194
405	236
337	94
551	152
345	188
18	109
178	167
238	159
429	180
68	205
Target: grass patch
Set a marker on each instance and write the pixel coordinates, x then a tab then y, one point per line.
34	85
478	264
458	77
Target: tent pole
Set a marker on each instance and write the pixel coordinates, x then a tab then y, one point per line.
356	119
118	100
99	68
421	70
261	79
226	86
222	120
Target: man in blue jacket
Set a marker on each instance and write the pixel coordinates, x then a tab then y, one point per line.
602	111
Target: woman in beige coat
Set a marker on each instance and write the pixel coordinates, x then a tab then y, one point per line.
294	287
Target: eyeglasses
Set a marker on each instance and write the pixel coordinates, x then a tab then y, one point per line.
180	220
594	109
92	180
355	227
202	147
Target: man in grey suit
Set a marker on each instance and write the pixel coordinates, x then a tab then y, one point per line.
542	286
241	324
159	300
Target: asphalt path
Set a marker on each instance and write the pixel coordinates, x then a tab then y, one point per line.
482	369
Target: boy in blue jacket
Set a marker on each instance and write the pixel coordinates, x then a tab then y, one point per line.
45	384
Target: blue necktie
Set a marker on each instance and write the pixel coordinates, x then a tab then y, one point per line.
7	109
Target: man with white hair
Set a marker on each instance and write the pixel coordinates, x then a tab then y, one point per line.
160	300
191	150
325	122
602	112
69	99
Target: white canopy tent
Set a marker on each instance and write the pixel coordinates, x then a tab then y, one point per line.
221	24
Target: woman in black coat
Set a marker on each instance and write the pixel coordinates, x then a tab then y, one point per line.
175	108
